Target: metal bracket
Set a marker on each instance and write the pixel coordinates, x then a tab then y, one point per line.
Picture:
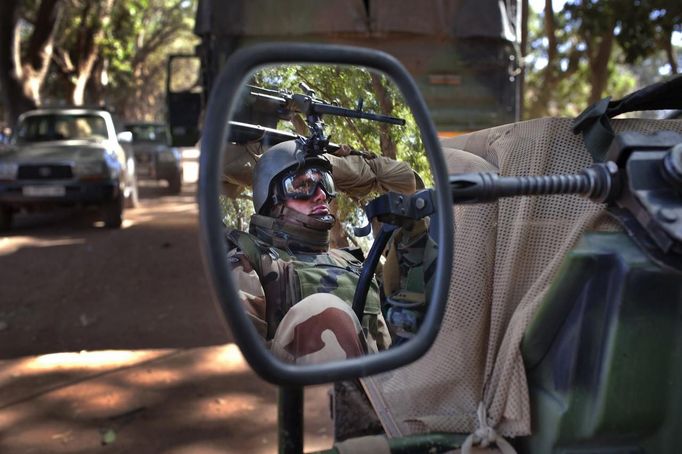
652	187
396	209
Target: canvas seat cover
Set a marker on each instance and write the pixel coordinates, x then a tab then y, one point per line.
506	255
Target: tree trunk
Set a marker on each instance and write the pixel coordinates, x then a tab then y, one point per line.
524	51
599	65
540	106
40	47
88	45
96	88
22	80
13	99
338	237
388	145
670	53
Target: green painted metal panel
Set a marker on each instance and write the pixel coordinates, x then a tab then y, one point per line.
604	354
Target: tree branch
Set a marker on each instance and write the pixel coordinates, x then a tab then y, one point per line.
388	146
63	61
39	45
670	51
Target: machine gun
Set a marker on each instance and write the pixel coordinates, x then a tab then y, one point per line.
262	108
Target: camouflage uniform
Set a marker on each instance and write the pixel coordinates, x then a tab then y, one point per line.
298	292
273	282
407	277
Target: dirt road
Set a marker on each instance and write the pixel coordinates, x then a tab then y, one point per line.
69	286
160	374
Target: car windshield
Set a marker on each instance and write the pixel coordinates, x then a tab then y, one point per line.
148	133
41	128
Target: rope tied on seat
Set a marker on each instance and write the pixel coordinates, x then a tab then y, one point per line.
485	435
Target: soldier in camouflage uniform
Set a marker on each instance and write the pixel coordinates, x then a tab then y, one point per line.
296	290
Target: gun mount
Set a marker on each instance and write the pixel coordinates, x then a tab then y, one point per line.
267	106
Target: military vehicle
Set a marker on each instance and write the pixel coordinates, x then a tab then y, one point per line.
553	321
154	158
463	54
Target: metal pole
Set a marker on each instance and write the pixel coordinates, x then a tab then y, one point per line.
290	419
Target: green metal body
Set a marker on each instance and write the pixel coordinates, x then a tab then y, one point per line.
463	54
433	443
604	354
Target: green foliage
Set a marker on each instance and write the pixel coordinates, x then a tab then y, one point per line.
135	40
142	35
640	29
237	211
345	86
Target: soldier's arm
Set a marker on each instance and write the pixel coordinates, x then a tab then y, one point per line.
358	176
407	277
250	289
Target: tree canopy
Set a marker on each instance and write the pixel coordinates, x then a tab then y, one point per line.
114	52
590	49
347	87
110	52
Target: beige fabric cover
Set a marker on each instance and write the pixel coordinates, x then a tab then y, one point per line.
506	255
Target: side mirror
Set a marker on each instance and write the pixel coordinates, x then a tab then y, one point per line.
125	137
222	130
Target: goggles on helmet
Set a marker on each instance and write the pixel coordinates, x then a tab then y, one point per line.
303	184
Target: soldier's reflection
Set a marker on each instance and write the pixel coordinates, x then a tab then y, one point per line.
295	288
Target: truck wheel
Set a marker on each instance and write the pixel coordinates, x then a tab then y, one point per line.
175	183
112	213
5	218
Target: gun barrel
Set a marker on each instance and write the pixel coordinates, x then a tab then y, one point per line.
321	108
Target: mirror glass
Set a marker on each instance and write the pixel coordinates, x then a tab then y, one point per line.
309	149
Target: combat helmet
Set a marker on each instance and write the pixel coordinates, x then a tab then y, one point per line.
276	161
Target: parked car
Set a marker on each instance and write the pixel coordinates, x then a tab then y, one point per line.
155	159
66	157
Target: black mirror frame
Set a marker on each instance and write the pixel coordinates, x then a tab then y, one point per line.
214	248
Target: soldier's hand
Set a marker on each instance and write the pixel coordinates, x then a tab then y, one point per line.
346	150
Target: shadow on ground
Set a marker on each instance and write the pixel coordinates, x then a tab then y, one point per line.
202	400
151	367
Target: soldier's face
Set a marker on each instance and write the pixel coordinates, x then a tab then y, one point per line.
316	205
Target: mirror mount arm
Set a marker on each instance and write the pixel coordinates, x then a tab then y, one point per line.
290	417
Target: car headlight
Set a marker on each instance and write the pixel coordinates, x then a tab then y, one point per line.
90	169
8	170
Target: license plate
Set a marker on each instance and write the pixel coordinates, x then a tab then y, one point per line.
44	191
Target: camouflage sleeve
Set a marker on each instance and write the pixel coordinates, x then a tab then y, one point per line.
251	291
358	176
407	277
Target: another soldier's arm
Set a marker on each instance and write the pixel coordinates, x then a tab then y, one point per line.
358	176
407	277
251	291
